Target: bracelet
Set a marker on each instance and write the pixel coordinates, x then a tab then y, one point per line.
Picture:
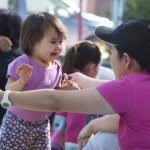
6	103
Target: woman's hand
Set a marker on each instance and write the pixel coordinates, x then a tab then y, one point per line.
107	123
84	136
68	84
24	71
78	78
84	81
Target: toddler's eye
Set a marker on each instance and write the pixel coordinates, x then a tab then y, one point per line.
61	42
53	42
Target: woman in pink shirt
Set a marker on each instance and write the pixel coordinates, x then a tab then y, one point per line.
128	95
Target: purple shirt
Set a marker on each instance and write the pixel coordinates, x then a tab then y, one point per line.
41	78
130	98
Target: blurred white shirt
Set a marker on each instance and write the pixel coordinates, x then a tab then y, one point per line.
105	73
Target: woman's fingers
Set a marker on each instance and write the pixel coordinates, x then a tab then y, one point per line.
65	76
82	143
70	83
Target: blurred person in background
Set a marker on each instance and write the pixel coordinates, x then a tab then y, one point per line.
104	69
10	25
5	44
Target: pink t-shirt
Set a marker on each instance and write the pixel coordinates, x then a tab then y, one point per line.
130	98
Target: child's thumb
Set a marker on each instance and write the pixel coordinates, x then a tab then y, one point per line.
65	76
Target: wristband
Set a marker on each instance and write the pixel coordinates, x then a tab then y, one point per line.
6	103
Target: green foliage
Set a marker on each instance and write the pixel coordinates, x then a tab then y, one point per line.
107	13
137	9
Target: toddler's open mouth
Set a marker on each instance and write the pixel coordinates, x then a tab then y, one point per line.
54	54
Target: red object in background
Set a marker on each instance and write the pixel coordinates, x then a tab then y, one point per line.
80	21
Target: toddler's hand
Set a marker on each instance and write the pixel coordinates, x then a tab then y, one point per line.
69	85
24	71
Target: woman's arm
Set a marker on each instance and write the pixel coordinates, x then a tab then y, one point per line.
108	123
82	101
84	81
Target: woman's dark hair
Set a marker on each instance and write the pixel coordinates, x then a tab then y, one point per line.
119	52
34	28
10	26
144	61
80	55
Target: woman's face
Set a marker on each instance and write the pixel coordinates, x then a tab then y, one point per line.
117	63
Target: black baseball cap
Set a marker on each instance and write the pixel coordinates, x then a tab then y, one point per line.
132	37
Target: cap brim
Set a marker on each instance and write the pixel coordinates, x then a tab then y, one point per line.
106	34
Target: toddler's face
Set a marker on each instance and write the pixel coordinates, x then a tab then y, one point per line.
49	47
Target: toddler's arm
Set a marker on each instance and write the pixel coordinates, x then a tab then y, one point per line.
24	72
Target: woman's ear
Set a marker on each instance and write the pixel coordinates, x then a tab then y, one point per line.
127	60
